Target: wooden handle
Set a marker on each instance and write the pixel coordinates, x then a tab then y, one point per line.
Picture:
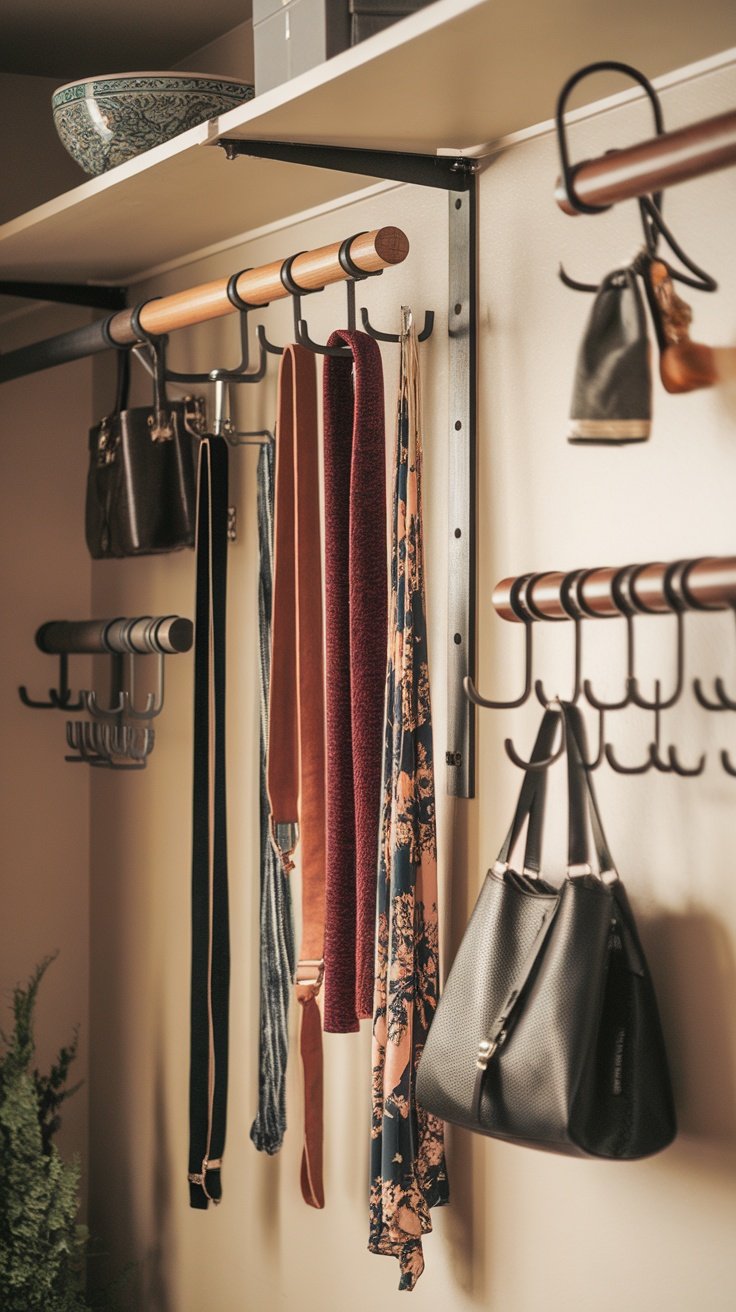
371	252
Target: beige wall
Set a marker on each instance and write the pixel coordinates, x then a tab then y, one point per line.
44	803
524	1230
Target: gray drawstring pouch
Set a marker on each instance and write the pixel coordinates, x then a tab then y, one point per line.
612	395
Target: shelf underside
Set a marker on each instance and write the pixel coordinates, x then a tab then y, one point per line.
455	75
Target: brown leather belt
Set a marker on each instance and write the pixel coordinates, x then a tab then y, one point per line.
296	745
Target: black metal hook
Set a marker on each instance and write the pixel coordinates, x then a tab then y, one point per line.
655	760
544	764
686	772
518	587
568	170
626	769
724	702
242	373
426	332
523	606
621	589
672	587
59	698
301	330
650	207
573	611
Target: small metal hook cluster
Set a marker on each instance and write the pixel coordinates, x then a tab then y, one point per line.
572	602
119	734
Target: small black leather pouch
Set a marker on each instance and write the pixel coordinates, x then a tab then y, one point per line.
141	479
612	394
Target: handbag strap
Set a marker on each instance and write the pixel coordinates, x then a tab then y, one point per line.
532	797
582	804
582	809
210	976
296	743
122	392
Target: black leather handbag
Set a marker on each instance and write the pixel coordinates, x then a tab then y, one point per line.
547	1033
141	477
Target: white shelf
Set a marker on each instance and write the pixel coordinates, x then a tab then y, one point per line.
457	74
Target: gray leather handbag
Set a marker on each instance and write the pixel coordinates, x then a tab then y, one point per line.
547	1033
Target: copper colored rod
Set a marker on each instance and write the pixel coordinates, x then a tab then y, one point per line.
710	585
653	165
312	270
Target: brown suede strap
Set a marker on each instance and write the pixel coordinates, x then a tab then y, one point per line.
296	746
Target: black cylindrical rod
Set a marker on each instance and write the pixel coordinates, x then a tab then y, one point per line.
169	634
74	345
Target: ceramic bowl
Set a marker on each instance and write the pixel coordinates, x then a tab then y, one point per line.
103	121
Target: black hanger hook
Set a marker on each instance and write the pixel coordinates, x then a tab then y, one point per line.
568	170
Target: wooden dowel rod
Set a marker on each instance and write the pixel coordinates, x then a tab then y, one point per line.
371	252
710	585
653	165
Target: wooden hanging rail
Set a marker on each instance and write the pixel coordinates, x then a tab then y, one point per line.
652	165
367	253
706	584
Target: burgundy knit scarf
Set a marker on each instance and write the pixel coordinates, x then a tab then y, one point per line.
356	622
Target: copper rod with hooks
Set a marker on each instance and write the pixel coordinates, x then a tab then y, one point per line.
652	165
708	584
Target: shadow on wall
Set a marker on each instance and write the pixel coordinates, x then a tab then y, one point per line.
694	970
155	1274
466	1220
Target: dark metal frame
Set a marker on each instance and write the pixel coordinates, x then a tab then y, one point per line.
68	293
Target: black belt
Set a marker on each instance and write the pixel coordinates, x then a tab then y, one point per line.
210	935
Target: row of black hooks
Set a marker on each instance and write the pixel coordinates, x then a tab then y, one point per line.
248	371
664	759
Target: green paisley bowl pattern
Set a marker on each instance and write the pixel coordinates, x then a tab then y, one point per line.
105	121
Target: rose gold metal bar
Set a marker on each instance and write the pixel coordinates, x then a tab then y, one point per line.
652	165
710	584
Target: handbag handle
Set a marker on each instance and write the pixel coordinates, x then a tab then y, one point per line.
532	798
123	383
159	422
582	804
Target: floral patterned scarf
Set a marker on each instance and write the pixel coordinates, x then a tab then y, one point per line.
408	1174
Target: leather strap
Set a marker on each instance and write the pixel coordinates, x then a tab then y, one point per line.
123	380
296	746
582	809
210	979
532	797
582	804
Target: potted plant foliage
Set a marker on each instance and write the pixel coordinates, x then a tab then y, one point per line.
41	1245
